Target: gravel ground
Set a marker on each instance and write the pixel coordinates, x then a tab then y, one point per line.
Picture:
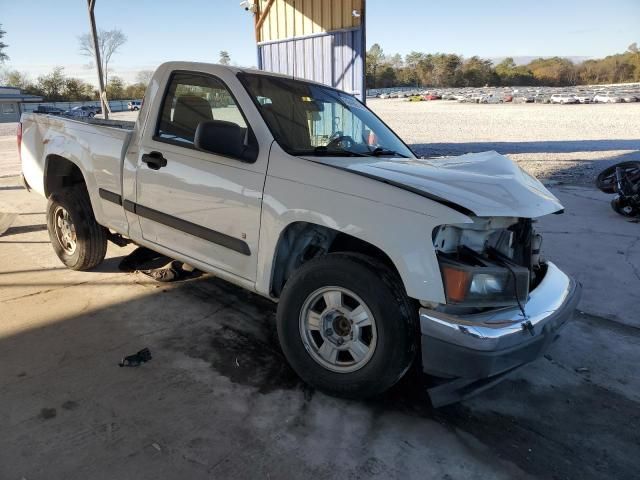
563	143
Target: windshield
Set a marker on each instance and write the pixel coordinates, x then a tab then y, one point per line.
309	119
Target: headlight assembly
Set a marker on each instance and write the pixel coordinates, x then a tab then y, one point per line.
474	281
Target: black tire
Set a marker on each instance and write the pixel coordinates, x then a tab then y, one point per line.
90	237
606	180
623	208
395	319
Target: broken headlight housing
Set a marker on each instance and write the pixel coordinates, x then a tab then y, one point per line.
473	280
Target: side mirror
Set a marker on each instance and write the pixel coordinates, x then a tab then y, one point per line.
226	138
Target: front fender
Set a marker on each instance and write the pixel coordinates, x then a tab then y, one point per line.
404	235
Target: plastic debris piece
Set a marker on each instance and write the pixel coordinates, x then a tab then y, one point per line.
6	220
136	359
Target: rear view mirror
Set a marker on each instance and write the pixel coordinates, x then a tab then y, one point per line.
226	138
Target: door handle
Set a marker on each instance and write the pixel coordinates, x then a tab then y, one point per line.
154	160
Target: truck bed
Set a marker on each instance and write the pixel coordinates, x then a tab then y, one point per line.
96	146
123	124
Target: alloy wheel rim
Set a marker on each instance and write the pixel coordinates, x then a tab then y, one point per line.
65	230
338	329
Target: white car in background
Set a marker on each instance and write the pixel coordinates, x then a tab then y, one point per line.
563	98
134	105
607	97
584	97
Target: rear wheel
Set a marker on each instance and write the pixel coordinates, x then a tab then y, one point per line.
76	237
346	325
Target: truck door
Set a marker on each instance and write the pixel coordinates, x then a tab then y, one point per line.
198	204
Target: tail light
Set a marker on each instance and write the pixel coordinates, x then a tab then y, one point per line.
19	138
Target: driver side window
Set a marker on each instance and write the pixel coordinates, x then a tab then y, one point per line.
192	98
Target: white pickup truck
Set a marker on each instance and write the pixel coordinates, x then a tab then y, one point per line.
298	192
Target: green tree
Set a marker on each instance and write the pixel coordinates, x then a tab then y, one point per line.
3	56
511	74
446	70
52	85
135	90
477	72
14	78
115	88
225	58
555	71
375	58
76	89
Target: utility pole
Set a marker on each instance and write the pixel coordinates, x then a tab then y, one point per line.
94	33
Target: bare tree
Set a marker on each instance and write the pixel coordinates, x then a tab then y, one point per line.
109	41
144	76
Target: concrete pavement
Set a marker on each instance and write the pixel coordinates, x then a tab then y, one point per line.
218	400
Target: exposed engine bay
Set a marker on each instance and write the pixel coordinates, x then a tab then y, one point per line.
493	262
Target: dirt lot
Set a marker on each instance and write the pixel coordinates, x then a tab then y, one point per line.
566	143
218	400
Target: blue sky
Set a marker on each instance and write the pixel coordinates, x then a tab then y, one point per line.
42	33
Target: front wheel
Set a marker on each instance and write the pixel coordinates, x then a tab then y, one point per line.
78	240
346	325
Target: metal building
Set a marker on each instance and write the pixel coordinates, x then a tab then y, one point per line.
321	40
11	100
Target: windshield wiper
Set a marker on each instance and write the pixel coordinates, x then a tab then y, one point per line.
379	151
325	152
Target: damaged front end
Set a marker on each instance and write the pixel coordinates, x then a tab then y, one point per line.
504	305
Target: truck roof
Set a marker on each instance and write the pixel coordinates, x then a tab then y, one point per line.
181	65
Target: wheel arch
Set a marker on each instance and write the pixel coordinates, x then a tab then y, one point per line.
301	241
60	173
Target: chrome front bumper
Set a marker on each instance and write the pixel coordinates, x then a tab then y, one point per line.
481	348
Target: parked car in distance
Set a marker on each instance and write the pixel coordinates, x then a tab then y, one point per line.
47	110
523	99
134	105
83	111
432	96
563	98
584	97
607	97
629	97
495	98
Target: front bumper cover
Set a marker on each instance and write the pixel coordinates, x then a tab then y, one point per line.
475	351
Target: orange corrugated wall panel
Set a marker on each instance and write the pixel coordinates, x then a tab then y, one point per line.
298	18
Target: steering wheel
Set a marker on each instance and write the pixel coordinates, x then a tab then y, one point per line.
339	141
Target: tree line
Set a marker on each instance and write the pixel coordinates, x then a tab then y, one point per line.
56	86
452	70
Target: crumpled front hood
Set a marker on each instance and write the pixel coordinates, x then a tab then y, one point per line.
488	184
